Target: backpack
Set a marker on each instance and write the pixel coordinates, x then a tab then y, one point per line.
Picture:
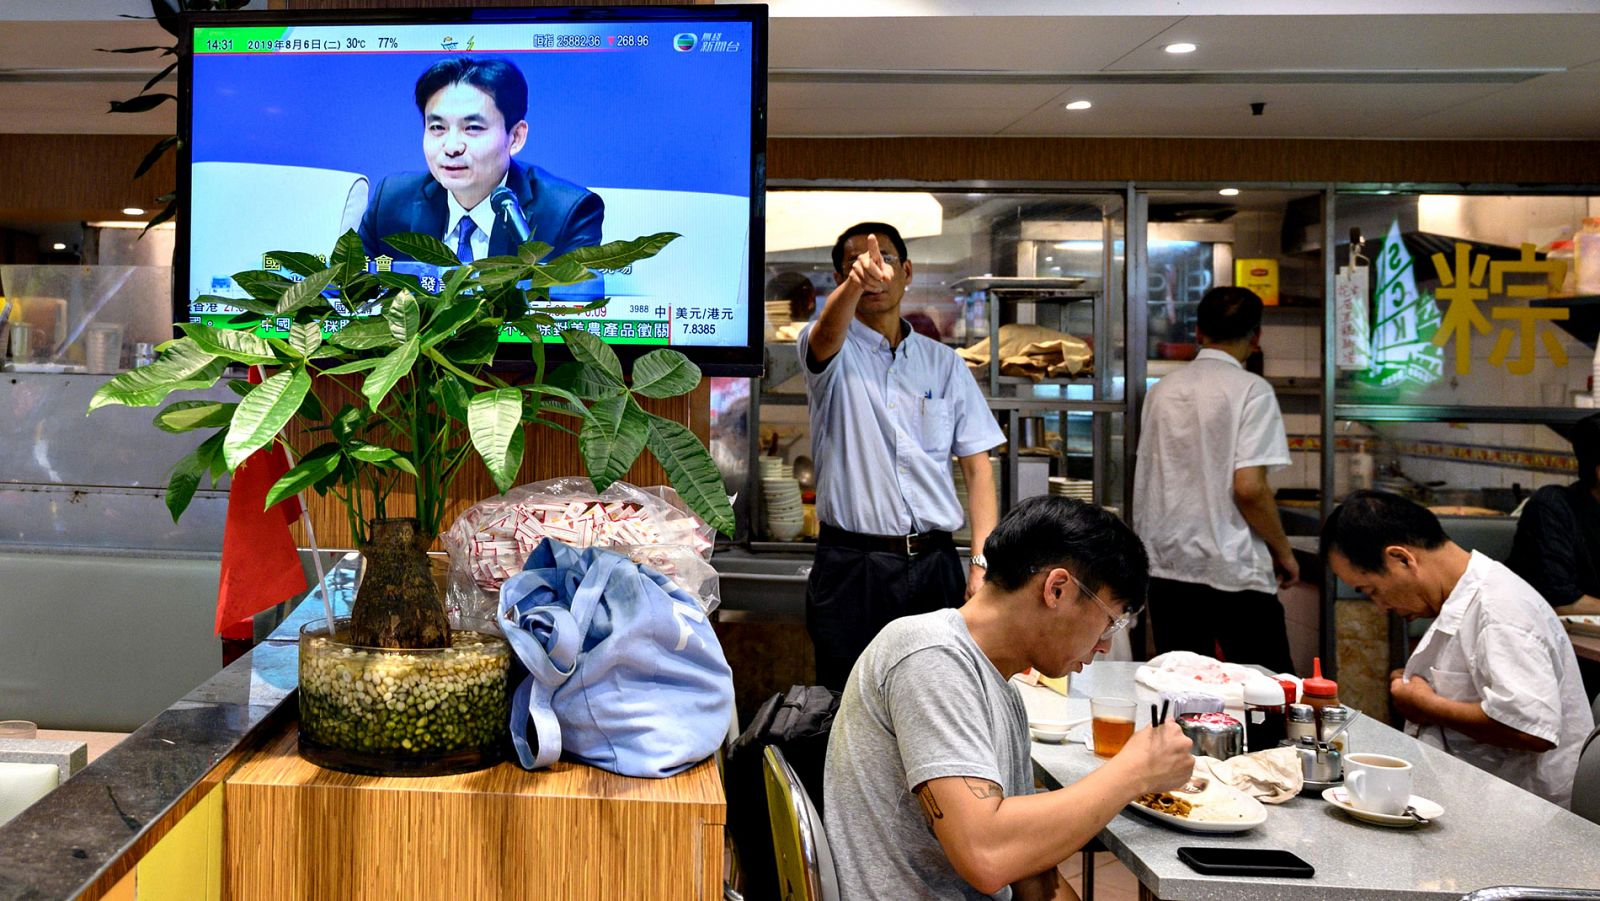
797	721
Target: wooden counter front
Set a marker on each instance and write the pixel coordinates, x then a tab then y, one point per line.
293	830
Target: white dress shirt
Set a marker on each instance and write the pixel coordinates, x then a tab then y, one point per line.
1201	424
1496	642
884	424
483	216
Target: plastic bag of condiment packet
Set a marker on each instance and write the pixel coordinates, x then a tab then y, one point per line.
491	541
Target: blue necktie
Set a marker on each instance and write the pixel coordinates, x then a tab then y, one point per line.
464	232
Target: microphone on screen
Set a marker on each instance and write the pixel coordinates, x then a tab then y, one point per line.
506	203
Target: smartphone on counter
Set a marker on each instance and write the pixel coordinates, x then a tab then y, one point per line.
1246	862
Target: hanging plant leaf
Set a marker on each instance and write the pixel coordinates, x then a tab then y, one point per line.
612	438
692	471
186	474
142	103
423	248
182	366
263	413
237	345
494	420
188	415
664	373
390	370
155	154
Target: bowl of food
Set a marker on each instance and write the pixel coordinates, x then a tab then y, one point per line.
1052	732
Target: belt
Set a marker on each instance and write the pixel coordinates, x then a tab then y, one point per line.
904	545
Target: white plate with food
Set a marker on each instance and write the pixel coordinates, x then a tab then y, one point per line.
1215	807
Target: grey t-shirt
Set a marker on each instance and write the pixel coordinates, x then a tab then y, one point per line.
923	702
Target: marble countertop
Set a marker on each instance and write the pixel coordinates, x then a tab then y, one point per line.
61	845
1492	833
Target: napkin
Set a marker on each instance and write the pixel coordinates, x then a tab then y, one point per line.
1271	777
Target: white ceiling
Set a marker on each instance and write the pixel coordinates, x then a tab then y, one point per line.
1445	69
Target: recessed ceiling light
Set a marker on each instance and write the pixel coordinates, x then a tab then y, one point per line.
1181	47
1079	104
58	246
1229	192
132	211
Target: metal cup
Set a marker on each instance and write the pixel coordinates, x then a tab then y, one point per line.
1213	734
22	341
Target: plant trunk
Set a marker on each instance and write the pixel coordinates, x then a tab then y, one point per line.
398	605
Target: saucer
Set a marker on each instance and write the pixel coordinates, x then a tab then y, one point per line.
1425	808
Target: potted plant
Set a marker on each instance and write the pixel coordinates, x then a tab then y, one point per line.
392	689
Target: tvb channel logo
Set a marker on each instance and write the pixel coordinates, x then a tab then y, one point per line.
710	42
683	43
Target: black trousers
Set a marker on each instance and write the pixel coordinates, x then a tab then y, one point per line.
1248	625
853	594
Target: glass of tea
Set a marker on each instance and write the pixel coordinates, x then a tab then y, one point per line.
1113	724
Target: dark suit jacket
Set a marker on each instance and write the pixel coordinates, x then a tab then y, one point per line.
560	213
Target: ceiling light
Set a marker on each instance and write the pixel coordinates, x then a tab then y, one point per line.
1079	104
132	211
1229	192
1182	47
58	246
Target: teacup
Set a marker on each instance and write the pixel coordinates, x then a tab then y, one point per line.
1378	783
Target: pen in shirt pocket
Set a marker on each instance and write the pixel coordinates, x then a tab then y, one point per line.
926	396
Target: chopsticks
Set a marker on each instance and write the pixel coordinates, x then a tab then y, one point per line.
1156	720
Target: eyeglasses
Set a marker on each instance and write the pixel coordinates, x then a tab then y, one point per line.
1118	621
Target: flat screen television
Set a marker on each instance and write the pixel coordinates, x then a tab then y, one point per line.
299	126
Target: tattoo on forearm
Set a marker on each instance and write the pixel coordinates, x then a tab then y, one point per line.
930	806
983	788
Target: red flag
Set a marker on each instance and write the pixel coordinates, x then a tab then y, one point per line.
260	564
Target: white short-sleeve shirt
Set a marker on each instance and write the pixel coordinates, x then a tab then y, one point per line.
1200	424
1496	642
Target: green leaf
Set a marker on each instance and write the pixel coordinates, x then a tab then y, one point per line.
301	264
188	415
248	304
382	456
141	104
494	420
305	338
263	285
591	351
306	292
617	254
263	413
400	281
187	473
533	251
449	318
444	362
423	248
574	404
238	345
352	366
563	271
349	257
155	154
664	373
584	381
475	346
240	386
452	286
364	334
691	470
404	316
452	398
182	366
389	371
612	439
304	474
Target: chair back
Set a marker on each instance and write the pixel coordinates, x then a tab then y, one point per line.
805	864
1586	782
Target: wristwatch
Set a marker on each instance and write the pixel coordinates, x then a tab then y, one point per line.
979	562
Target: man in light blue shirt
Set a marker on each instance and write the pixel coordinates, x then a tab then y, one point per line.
888	409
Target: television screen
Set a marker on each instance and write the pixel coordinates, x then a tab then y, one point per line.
580	126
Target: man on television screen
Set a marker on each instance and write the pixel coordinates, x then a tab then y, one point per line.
472	125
